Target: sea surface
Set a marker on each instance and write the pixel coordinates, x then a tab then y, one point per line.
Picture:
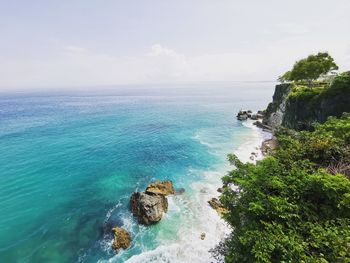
69	162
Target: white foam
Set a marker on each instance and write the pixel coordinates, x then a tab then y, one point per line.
193	212
199	138
252	143
197	218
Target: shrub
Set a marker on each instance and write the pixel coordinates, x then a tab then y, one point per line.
288	207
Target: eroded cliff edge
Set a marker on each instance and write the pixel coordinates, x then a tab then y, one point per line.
299	107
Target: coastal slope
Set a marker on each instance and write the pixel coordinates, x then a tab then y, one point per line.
297	107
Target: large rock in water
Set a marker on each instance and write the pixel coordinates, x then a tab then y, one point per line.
161	188
121	238
148	208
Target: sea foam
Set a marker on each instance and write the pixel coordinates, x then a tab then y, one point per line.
197	216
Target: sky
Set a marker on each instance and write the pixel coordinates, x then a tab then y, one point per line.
112	42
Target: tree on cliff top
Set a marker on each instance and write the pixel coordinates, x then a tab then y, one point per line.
310	69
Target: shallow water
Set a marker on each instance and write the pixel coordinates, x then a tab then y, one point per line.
69	163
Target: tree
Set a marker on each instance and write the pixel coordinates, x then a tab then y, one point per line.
311	68
285	77
290	207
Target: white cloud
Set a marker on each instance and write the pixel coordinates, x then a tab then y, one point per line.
75	65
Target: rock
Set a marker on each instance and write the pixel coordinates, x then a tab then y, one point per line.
148	208
202	236
179	191
161	188
216	204
204	190
269	145
251	157
122	238
254	117
259	116
275	111
265	127
220	189
243	115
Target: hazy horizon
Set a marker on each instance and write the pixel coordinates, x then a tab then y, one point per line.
62	44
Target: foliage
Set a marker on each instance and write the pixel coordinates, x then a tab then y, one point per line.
340	85
285	77
311	68
288	207
304	92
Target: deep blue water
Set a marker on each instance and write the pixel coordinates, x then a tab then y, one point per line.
69	163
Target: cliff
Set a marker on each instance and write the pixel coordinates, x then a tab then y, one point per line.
276	109
298	107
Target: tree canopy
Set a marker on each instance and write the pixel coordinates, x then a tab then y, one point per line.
294	205
311	68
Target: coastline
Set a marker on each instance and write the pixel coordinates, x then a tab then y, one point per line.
201	218
254	145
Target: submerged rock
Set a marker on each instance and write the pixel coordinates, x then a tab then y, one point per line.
122	238
204	190
216	204
179	191
161	188
148	208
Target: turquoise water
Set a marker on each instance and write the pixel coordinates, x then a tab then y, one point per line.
69	163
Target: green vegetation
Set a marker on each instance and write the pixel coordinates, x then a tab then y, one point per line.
294	205
340	85
310	69
304	92
338	93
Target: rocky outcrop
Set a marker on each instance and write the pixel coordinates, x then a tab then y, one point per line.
216	204
296	109
220	189
302	112
248	114
122	239
269	145
276	109
161	188
263	126
149	206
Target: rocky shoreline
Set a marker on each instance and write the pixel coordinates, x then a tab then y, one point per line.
150	205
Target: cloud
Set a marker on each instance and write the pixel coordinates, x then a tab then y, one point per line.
159	50
79	66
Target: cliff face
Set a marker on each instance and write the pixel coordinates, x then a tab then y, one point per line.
276	109
300	111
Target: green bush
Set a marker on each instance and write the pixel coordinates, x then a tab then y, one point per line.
304	92
289	208
340	85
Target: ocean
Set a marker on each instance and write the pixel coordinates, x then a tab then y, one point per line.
70	161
